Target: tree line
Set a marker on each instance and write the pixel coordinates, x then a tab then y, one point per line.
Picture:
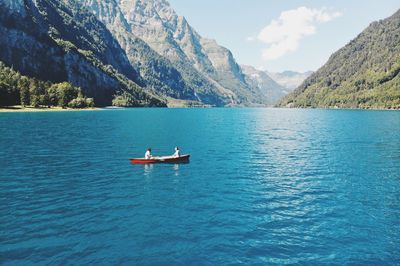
17	89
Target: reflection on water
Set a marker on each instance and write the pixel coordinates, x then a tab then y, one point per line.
176	169
265	186
149	168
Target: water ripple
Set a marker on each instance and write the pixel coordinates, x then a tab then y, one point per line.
264	186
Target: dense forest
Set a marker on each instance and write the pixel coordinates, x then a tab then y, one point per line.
363	74
17	89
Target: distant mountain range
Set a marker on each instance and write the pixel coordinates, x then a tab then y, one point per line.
289	79
363	74
261	81
126	53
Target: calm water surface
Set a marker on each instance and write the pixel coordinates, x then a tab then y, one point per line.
264	186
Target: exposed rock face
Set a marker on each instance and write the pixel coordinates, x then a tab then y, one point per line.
263	85
157	72
15	6
201	61
109	48
56	41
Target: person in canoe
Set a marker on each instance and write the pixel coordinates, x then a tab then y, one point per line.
148	155
177	152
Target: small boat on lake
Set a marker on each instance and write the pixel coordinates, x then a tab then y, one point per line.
161	159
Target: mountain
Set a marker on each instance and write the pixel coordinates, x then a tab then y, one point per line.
209	69
122	52
156	71
363	74
263	85
58	41
289	79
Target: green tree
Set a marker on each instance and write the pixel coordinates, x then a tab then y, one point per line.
34	91
53	95
66	93
89	102
18	89
4	93
23	85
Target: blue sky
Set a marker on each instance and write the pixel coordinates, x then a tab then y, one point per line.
282	35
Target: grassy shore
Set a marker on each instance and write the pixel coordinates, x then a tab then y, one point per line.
18	108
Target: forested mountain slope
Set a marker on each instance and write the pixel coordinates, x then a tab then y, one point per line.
363	74
57	41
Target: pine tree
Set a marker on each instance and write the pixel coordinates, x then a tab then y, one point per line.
23	85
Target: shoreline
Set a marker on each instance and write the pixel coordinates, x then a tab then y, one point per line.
20	109
338	108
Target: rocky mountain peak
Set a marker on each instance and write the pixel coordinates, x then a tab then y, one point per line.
107	11
181	28
172	36
141	10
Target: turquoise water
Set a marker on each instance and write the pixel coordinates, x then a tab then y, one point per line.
264	186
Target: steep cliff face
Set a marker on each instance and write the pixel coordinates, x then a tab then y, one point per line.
190	43
140	50
57	41
228	73
156	71
15	6
170	35
158	25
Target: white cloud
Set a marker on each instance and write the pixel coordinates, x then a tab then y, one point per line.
250	39
283	35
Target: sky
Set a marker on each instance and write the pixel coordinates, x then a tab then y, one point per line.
279	35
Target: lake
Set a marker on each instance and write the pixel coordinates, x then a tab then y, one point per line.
263	186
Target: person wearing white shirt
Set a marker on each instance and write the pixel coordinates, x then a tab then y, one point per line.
177	152
148	155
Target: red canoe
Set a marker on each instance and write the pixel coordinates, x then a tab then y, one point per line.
163	159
